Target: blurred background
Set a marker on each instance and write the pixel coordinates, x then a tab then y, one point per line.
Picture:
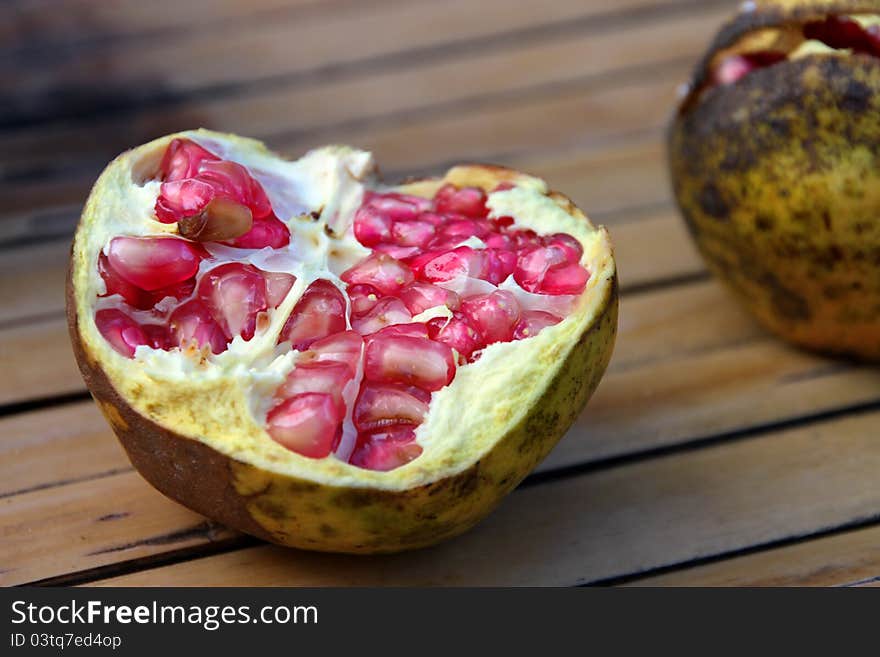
574	90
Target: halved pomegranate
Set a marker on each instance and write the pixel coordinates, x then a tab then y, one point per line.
371	384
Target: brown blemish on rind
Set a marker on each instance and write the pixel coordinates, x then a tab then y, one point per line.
284	509
793	151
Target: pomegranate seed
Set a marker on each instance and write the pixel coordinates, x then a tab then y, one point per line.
418	362
501	241
182	198
318	313
572	248
278	284
342	347
499	265
503	222
233	181
569	278
419	297
234	293
317	376
456	231
444	266
840	32
525	239
398	252
469	201
493	315
384	451
183	158
192	322
308	424
396	207
532	266
412	233
180	291
267	231
381	271
158	335
386	312
413	330
152	263
532	322
458	333
432	218
371	227
384	406
115	284
362	298
121	331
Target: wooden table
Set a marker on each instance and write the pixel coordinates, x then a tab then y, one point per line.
711	453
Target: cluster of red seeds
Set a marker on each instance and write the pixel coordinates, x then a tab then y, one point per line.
837	32
368	353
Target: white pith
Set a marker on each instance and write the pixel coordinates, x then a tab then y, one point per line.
222	400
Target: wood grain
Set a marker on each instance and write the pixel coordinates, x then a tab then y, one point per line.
57	446
455	81
92	523
619	521
841	559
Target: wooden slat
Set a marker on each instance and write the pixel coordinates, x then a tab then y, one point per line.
38	24
836	560
674	385
285	47
453	83
36	448
92	523
586	120
607	524
37	362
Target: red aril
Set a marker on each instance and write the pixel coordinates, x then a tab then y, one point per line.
386	405
418	362
569	278
386	450
412	233
362	298
445	265
182	198
182	159
469	201
386	312
318	376
151	263
531	323
234	293
419	297
121	331
458	333
345	347
371	227
266	232
192	323
116	284
319	312
493	315
278	284
381	271
308	424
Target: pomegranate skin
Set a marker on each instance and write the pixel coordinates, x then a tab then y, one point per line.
777	176
304	513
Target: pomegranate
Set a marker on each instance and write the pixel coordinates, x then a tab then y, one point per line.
774	163
316	373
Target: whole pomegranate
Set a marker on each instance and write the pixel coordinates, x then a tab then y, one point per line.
775	161
307	355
